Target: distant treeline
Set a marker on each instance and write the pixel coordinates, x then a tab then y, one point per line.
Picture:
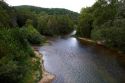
104	22
18	15
49	11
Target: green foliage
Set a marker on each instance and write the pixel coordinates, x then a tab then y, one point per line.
113	35
31	34
23	16
104	21
85	23
104	10
52	25
65	25
16	58
7	15
49	11
14	52
48	22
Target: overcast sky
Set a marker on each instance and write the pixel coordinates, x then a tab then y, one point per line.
74	5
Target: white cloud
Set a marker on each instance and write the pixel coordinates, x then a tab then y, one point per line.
74	5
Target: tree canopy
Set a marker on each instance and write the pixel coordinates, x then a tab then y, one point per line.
104	21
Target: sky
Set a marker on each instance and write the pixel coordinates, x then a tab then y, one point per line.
74	5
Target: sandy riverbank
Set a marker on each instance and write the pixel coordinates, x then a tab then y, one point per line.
46	76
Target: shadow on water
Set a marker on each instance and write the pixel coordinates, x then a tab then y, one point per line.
73	62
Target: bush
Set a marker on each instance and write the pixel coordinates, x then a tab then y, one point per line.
112	33
15	57
55	25
32	35
7	15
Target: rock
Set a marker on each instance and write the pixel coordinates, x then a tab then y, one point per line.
47	78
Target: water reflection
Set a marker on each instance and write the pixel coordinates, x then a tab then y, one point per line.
72	62
73	33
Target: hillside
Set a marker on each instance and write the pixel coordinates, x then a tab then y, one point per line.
7	15
49	11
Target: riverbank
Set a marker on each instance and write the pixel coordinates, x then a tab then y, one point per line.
91	41
120	56
98	43
46	76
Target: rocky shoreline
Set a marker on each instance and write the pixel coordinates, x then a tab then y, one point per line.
46	76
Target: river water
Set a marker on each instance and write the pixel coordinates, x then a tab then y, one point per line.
73	62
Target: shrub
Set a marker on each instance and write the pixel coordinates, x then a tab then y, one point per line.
112	33
32	35
15	57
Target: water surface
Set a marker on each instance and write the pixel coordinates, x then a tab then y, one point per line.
72	62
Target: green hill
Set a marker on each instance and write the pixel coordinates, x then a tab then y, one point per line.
7	15
49	11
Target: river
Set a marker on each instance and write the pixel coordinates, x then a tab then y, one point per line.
73	62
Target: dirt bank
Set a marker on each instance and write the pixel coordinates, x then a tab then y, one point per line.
46	76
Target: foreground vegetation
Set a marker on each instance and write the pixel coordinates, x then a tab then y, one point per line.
16	58
104	22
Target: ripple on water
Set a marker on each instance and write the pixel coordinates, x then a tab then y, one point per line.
73	63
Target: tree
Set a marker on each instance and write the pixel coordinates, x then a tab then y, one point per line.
85	23
104	21
55	25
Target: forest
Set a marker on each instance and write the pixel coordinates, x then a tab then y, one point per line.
24	26
105	22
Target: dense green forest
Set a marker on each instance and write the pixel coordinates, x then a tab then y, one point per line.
21	27
16	54
47	21
49	11
104	22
